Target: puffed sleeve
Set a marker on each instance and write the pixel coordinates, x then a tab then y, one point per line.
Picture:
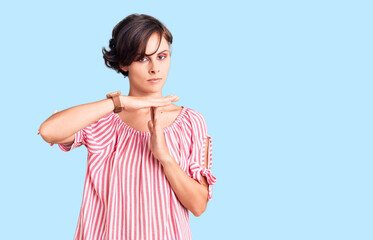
96	136
80	139
200	151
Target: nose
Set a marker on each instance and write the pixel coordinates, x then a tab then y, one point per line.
154	67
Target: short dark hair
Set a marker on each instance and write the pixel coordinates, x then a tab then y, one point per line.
129	39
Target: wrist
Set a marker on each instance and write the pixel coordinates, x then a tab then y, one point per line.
167	159
122	99
110	103
115	97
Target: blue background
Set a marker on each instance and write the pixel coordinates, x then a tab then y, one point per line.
285	88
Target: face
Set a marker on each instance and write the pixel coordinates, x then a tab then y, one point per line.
149	74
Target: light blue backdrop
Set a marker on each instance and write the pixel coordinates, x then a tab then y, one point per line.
285	88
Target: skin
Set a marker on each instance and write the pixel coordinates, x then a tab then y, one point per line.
144	109
154	66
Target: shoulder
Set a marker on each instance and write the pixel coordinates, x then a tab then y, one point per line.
103	122
186	112
194	114
195	120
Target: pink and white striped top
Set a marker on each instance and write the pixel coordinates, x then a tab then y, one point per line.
126	194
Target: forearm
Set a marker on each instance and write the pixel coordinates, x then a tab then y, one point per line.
191	193
63	124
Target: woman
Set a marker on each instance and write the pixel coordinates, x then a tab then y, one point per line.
148	160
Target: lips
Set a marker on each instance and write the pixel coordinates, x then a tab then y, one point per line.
154	80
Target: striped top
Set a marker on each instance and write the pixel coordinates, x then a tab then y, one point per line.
126	193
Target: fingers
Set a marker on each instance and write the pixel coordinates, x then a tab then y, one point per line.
152	113
163	101
131	103
150	126
154	117
173	98
153	123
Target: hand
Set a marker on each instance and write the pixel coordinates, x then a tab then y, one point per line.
157	140
132	103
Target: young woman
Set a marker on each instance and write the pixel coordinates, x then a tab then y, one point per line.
148	160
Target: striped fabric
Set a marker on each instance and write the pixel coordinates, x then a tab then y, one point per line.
126	194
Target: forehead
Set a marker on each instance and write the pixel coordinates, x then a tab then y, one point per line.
153	43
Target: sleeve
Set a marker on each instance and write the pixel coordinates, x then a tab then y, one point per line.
201	151
80	139
96	137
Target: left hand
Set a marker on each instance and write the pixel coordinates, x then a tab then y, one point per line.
157	140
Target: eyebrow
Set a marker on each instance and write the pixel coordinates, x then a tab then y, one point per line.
158	53
164	51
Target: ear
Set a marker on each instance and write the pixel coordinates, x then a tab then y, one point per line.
124	68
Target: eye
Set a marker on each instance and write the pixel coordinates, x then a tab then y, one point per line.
163	56
142	59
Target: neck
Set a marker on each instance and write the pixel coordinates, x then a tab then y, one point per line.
133	93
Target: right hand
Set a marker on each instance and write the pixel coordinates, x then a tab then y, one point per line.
131	103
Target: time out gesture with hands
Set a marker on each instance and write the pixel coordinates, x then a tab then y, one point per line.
157	140
55	129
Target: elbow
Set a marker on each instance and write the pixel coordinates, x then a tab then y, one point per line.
45	133
201	205
197	214
198	210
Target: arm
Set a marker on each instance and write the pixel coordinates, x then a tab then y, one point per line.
191	194
61	126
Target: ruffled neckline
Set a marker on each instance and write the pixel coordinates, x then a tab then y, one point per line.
166	129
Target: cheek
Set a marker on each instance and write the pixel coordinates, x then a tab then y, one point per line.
166	65
139	70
